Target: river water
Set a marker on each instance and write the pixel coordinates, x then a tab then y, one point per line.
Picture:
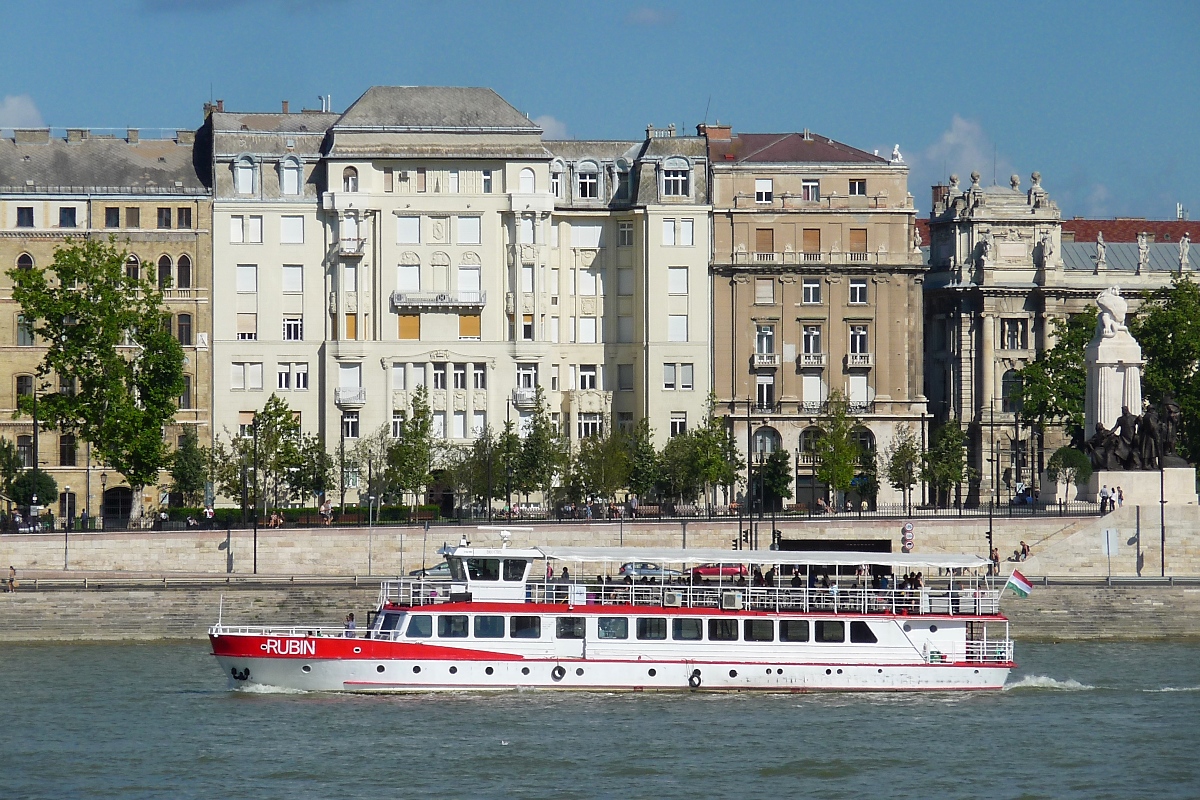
1080	720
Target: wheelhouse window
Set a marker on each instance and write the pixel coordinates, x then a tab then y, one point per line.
483	569
612	627
420	626
452	626
861	633
514	569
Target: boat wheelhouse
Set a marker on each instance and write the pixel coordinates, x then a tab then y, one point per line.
513	618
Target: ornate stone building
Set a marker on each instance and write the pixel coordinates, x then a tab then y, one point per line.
816	288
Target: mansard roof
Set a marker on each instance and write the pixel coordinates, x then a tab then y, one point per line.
276	134
786	148
1126	229
1120	256
433	108
99	164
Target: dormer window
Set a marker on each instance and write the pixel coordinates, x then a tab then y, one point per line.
556	171
349	179
676	177
589	181
292	177
527	182
243	176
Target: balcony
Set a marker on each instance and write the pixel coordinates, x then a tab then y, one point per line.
524	398
184	294
439	299
350	396
857	258
766	360
765	258
812	360
860	360
352	248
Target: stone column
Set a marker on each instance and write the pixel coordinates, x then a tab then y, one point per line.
987	365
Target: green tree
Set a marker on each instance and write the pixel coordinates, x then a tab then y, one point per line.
645	469
275	436
31	483
602	465
315	474
902	461
1070	465
545	453
110	335
680	478
189	469
1167	326
411	458
836	448
945	464
1053	386
369	455
775	473
10	466
717	458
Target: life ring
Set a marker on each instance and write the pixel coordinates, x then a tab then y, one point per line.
694	680
558	672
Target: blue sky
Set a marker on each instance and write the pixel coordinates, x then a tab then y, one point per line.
1101	97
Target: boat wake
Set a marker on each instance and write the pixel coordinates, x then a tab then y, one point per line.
1173	689
1046	682
258	688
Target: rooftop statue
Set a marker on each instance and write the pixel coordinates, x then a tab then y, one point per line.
1185	244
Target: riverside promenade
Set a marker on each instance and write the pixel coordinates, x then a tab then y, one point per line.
150	585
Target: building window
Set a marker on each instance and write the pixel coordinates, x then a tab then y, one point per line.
590	424
254	229
164	272
858	244
625	421
1014	334
409	326
185	399
765	385
589	181
767	441
526	376
764	341
812	291
247	278
625	377
133	218
246	375
587	376
132	268
686	372
556	183
24	332
677	328
810	189
349	179
812	339
25	451
183	273
677	280
439	375
24	216
479	376
350	424
398	419
764	291
452	186
351	327
668	233
292	279
678	423
675	182
247	327
243	176
527	327
858	339
292	177
858	291
670	377
300	375
460	376
293	329
164	219
764	190
1010	388
764	244
291	230
24	386
687	232
487	181
526	182
184	329
470	326
858	187
624	234
283	374
24	261
66	217
112	217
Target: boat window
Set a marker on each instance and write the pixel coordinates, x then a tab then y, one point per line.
829	630
388	624
420	626
613	628
525	627
452	626
489	627
456	569
861	633
514	569
483	569
758	630
569	628
687	630
652	628
793	630
722	630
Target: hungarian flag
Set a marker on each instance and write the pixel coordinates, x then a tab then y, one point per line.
1019	584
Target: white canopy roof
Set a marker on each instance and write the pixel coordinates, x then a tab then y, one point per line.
667	555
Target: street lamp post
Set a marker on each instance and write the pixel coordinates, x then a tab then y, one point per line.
254	430
370	531
103	489
508	459
67	526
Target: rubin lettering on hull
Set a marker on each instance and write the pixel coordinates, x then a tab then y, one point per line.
289	647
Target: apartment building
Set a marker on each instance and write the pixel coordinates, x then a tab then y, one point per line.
816	288
85	183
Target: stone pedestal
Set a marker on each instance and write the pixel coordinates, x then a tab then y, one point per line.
1114	379
1142	487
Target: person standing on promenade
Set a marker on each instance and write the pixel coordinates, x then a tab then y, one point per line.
1120	497
11	584
1104	495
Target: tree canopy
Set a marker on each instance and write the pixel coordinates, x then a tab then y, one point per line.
836	448
1053	386
902	461
945	465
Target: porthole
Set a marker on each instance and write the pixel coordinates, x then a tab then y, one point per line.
839	672
976	672
779	671
880	672
828	672
733	673
454	670
768	670
933	628
358	650
654	672
379	668
415	670
306	669
907	627
579	671
489	670
524	670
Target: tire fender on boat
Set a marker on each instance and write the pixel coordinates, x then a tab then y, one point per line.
694	679
558	672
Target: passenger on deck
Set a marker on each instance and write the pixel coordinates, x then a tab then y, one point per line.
825	581
350	626
757	575
812	578
770	577
566	576
797	581
741	581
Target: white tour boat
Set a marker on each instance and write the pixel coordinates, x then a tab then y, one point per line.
494	625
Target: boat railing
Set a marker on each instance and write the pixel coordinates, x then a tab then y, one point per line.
286	631
729	597
998	651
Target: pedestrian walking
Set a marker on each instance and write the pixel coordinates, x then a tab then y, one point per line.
1120	497
1104	496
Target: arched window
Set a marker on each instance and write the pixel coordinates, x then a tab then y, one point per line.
24	332
243	176
133	268
527	183
164	272
292	177
183	273
1010	389
24	261
557	168
184	329
866	443
587	181
766	441
676	180
24	386
349	179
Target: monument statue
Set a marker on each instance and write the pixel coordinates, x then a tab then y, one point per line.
1143	251
1100	248
1047	249
896	157
1114	368
1113	307
1185	244
916	238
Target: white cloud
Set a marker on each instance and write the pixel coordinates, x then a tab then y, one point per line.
19	111
1098	201
962	148
551	127
649	17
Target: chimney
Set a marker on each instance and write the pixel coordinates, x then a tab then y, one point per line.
220	106
285	106
715	132
807	135
32	135
185	137
940	193
131	135
77	134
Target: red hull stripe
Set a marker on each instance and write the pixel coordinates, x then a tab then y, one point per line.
344	649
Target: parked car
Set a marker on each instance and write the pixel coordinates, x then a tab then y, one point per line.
644	569
441	571
719	570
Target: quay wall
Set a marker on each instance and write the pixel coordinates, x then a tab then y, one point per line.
1061	545
100	613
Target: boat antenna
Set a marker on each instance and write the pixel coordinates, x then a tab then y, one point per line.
220	610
